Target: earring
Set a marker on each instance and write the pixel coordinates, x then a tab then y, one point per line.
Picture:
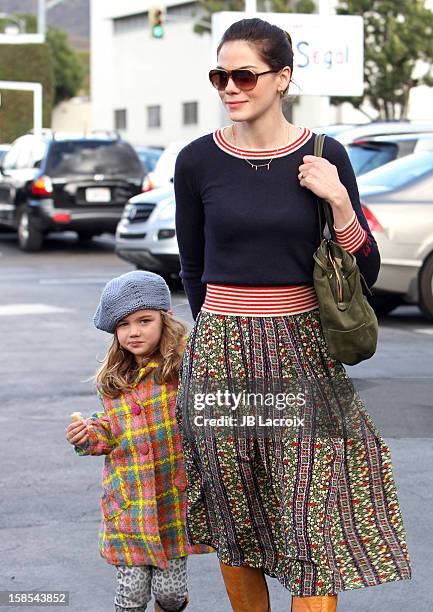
281	93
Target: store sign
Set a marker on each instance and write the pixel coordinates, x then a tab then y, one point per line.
328	50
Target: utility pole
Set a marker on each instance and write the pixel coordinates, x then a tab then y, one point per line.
325	103
43	7
42	22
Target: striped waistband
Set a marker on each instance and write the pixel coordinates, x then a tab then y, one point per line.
259	301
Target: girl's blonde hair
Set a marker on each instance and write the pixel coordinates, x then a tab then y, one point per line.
120	369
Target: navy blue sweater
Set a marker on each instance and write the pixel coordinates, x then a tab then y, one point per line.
238	226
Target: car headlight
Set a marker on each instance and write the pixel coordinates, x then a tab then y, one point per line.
165	211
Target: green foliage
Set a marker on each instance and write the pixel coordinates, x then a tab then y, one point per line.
70	70
24	63
275	6
84	57
398	52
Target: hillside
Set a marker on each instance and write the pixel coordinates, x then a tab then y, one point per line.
71	15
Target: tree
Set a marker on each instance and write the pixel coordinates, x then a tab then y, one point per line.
398	52
69	69
277	6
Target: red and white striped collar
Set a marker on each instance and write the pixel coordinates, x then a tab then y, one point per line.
227	147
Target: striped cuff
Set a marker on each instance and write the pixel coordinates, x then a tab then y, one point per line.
352	236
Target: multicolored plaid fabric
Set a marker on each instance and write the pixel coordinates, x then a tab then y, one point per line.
144	481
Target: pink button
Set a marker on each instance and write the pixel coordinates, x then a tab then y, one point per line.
180	481
136	409
144	448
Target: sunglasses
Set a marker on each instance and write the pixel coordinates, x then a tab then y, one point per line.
243	78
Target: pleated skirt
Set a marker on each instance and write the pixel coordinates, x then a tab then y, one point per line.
319	513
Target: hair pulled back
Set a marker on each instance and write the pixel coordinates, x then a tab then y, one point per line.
273	44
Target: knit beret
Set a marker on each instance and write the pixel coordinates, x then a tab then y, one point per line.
125	294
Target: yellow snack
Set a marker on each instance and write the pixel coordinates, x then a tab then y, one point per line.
76	416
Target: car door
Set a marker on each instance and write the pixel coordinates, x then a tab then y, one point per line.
18	171
7	183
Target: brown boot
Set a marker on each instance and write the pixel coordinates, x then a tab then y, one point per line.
246	588
323	603
159	608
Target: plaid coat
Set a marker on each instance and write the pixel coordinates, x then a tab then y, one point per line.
144	481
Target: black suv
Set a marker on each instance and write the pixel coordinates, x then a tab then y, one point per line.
62	183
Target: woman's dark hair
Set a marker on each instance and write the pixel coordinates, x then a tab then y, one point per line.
273	44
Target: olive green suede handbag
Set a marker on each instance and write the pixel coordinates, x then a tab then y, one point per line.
348	321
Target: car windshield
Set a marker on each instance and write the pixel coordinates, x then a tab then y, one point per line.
367	157
399	172
93	157
164	169
149	158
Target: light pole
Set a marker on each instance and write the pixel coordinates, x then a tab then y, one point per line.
250	6
43	7
42	23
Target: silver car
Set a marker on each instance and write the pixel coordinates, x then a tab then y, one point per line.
146	235
398	203
374	128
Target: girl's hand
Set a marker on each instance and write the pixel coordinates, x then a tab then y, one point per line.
321	177
77	433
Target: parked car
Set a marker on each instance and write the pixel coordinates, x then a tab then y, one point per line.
370	152
149	157
397	199
164	169
66	182
146	235
378	128
4	148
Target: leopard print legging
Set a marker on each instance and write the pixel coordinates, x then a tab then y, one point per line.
135	585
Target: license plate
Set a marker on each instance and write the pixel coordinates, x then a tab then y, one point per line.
98	194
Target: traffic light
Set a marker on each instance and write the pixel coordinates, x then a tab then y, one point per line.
156	19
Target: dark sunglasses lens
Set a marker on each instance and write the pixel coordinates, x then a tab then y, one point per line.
244	79
218	78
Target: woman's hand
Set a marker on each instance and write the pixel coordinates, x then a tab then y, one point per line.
77	433
321	177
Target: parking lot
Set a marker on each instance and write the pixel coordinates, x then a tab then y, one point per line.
50	504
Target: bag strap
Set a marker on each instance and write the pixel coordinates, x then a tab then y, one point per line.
323	206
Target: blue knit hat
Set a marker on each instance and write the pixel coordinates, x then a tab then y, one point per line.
137	290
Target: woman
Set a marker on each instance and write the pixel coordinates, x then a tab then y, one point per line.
319	513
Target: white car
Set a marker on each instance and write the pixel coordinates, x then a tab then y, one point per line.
164	169
346	135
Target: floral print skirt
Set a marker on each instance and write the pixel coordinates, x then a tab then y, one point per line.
318	512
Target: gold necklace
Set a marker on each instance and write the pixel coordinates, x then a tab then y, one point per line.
257	166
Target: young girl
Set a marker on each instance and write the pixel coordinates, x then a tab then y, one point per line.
143	504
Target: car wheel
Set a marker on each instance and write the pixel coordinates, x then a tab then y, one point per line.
84	236
426	289
174	283
29	237
384	304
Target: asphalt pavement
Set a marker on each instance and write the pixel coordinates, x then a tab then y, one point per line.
50	498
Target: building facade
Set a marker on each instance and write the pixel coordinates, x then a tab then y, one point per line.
155	91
